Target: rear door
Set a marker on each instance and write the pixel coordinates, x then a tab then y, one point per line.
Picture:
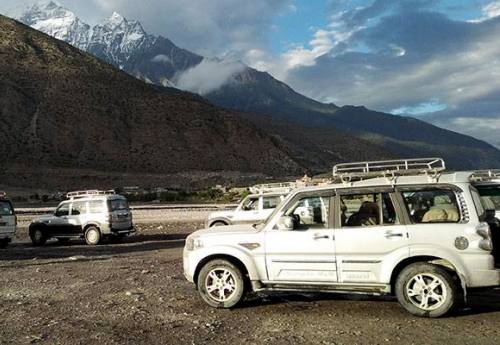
7	218
369	232
121	218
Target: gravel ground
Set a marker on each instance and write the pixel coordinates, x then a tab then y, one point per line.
134	293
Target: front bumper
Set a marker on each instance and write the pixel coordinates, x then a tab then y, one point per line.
485	278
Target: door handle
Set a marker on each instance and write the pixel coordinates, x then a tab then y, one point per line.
393	234
321	237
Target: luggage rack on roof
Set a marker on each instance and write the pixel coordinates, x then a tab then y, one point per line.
279	187
350	172
485	175
87	193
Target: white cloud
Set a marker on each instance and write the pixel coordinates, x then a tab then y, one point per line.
162	59
208	75
492	10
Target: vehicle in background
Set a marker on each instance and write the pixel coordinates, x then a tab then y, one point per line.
92	215
254	208
404	227
8	221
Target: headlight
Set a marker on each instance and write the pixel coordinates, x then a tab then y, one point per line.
193	243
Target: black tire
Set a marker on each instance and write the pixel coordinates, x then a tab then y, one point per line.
38	237
93	236
427	290
4	243
218	223
235	279
63	240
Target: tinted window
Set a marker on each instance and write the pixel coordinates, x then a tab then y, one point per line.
78	208
118	204
271	202
432	206
367	210
6	208
63	210
96	206
310	212
490	195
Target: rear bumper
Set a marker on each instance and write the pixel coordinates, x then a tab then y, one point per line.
125	231
486	278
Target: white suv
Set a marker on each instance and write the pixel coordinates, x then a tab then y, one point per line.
415	231
252	209
8	221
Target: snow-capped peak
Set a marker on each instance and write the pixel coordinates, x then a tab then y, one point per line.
116	19
55	20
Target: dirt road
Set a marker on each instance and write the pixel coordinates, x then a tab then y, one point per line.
135	293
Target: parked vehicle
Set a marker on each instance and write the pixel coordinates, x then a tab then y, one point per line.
8	221
254	208
91	215
405	227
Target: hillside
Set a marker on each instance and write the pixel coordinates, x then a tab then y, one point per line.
62	108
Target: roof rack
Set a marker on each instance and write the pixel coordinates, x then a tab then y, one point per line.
349	172
279	187
485	175
87	193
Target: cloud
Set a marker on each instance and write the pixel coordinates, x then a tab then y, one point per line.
208	75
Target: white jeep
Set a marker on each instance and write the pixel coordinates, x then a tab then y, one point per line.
405	228
254	208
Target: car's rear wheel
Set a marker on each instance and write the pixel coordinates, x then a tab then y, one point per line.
38	237
221	284
92	236
428	290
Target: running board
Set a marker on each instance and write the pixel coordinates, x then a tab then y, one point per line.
348	288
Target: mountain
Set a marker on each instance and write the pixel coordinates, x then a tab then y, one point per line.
237	87
66	113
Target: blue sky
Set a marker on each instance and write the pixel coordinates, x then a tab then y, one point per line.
434	59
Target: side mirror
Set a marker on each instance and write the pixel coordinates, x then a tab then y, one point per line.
285	223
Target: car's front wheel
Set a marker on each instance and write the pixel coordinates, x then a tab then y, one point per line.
4	243
92	236
425	289
38	237
221	284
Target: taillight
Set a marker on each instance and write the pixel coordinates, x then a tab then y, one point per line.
483	230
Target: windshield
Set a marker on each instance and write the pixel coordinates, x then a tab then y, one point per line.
490	195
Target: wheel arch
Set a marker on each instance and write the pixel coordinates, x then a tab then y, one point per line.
232	259
220	220
446	264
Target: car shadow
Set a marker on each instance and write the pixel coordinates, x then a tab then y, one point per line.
78	250
478	302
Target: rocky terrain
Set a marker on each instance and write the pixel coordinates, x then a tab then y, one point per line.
135	293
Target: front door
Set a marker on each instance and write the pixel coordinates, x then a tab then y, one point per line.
369	232
248	211
306	253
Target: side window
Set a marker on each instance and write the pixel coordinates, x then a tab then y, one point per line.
432	206
310	213
251	204
271	202
6	208
96	206
367	210
62	210
78	208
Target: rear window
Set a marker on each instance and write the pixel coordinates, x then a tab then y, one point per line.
490	195
118	204
6	208
432	206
